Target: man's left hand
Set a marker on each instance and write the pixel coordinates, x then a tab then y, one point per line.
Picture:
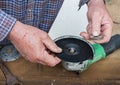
99	21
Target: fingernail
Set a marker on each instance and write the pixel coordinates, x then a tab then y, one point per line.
58	60
95	33
59	49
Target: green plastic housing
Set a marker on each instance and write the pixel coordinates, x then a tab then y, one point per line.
98	55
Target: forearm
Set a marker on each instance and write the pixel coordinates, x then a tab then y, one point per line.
6	24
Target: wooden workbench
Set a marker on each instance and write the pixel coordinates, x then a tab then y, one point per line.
104	72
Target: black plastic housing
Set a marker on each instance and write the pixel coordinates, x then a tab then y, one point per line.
112	45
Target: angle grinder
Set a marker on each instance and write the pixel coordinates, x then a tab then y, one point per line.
78	54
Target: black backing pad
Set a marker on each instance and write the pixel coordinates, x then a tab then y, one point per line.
74	49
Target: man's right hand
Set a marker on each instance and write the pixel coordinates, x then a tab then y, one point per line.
33	44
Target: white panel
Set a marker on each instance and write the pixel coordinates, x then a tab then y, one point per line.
69	21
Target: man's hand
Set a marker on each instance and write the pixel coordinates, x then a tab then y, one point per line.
100	22
33	44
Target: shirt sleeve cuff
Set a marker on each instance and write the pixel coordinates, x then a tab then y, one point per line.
6	24
82	2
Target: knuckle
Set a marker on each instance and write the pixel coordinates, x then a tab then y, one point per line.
35	59
38	57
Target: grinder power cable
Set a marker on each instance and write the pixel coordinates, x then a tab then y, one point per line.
78	54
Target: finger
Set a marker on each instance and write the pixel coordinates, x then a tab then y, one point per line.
49	59
106	32
50	44
85	35
96	24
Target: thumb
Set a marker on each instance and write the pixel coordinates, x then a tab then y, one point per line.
50	44
96	24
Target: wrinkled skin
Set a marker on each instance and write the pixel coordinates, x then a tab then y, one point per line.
99	21
33	44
